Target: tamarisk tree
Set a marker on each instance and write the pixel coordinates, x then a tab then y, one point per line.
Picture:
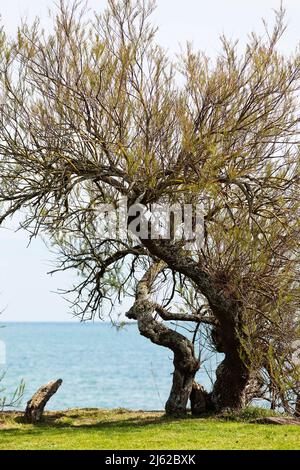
95	111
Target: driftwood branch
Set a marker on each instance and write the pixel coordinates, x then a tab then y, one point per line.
35	406
277	420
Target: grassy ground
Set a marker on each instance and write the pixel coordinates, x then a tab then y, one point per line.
121	429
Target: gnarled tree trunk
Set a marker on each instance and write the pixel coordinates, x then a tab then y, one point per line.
235	384
185	368
232	374
185	363
229	390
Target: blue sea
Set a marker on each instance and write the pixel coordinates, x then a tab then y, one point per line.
100	366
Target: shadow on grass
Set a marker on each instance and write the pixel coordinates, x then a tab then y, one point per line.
60	421
76	421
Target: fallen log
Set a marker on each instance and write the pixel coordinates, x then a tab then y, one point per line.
277	420
35	406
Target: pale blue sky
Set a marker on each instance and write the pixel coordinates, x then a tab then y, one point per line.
25	288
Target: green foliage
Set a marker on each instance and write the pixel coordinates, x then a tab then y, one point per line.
14	399
249	413
97	110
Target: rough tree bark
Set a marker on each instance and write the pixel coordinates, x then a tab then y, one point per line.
231	389
236	384
185	368
185	362
232	375
200	400
35	406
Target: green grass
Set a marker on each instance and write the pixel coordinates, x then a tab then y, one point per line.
121	429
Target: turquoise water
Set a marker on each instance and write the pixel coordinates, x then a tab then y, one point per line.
100	366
